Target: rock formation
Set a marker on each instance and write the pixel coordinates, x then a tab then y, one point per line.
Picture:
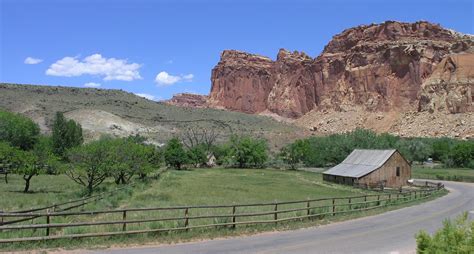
188	100
450	87
379	67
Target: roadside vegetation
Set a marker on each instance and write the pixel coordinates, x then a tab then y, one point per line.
454	237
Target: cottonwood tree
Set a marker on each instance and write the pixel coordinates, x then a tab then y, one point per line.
90	164
205	138
66	134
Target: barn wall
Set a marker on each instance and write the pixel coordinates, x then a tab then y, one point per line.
339	179
387	173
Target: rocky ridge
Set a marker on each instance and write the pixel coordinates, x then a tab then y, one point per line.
188	100
379	67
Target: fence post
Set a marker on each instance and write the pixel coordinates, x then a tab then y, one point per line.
365	202
47	222
390	197
233	216
415	194
333	207
275	215
1	218
186	220
350	204
378	200
124	218
308	206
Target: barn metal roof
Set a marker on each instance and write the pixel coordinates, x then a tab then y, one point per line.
361	162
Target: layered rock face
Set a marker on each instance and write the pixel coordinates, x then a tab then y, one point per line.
188	100
450	87
379	67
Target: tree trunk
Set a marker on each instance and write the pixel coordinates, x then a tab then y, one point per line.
27	179
90	188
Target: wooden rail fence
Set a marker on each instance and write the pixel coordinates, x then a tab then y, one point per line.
184	218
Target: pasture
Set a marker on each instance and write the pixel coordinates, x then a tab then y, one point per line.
448	174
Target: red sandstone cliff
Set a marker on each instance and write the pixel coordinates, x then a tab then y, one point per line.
379	67
188	100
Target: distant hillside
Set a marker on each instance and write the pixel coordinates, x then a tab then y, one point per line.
119	113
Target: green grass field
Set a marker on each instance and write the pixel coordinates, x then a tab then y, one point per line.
190	187
177	188
449	174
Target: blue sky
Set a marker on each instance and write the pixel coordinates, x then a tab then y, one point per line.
126	44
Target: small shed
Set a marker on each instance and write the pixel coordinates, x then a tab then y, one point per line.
371	167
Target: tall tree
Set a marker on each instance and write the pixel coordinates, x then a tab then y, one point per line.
66	134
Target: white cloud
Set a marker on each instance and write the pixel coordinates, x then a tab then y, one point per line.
165	79
32	60
92	84
146	96
110	68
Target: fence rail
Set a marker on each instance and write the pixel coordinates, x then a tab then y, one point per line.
129	221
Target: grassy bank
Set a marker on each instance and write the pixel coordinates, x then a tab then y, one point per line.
448	174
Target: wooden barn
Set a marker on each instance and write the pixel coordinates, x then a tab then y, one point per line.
371	167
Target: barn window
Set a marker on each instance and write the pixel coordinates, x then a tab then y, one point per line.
398	171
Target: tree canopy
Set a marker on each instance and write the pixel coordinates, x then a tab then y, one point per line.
18	130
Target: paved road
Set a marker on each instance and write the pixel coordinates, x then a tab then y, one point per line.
391	232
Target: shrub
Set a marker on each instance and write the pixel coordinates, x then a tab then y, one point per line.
454	237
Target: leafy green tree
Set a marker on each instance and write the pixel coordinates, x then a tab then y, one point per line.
247	151
197	155
130	158
18	130
441	148
66	134
175	155
295	153
462	154
39	160
90	164
454	237
221	153
8	156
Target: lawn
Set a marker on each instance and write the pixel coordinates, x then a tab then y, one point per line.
449	174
